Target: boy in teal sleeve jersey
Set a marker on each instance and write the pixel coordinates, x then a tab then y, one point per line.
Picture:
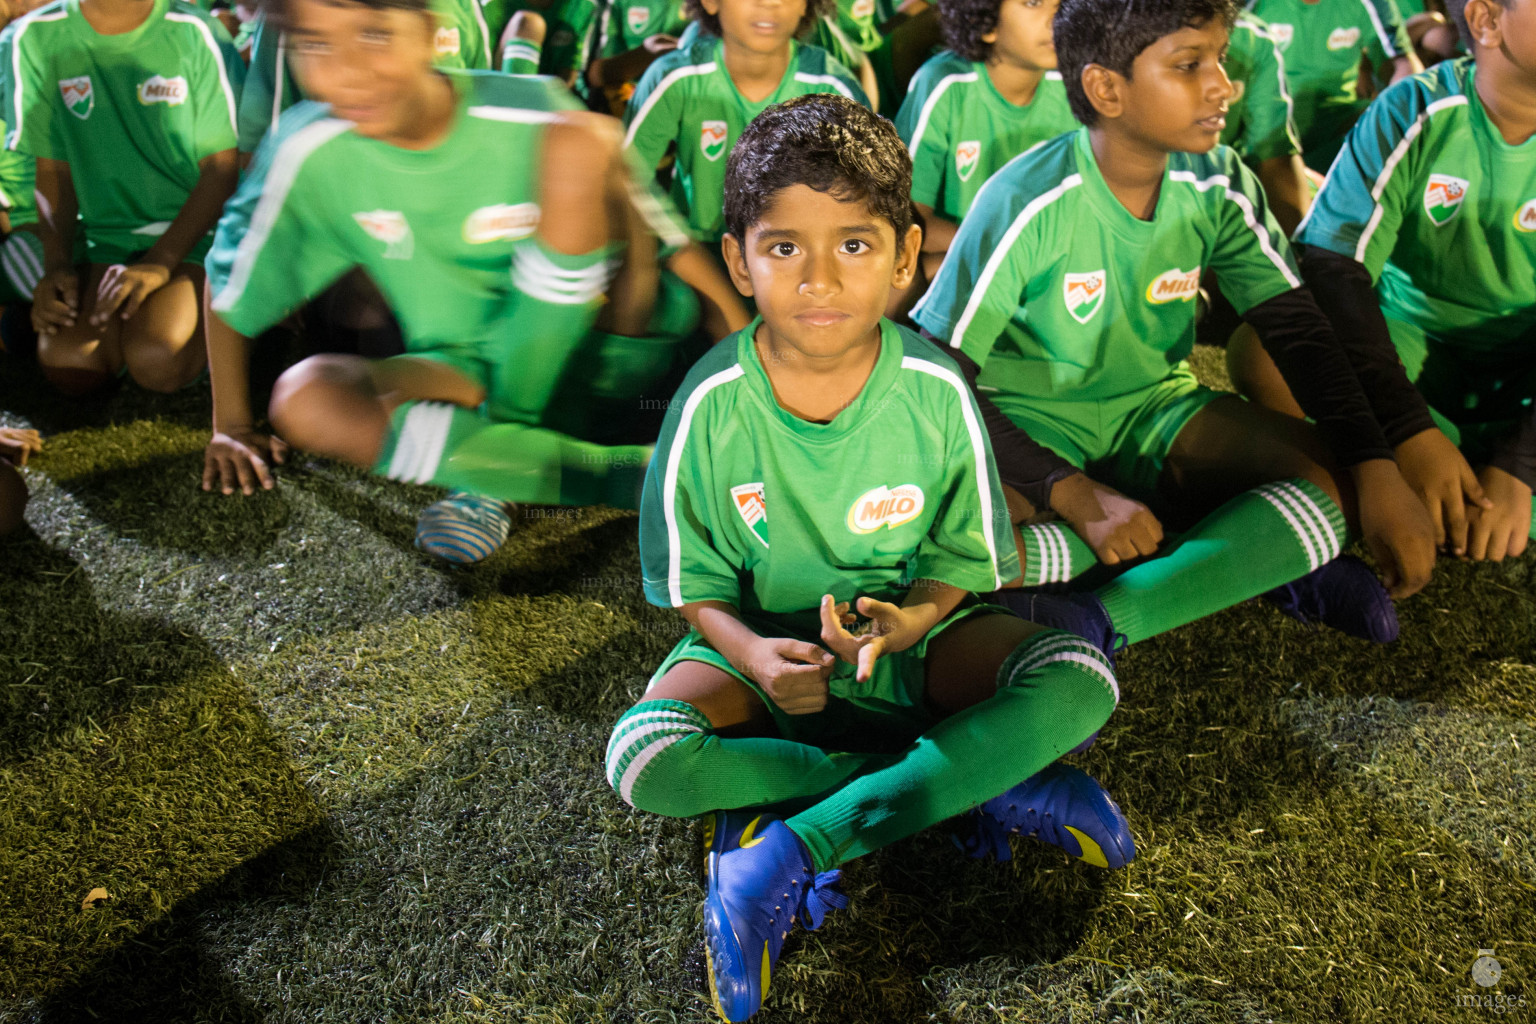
698	101
1072	286
820	467
129	109
1422	247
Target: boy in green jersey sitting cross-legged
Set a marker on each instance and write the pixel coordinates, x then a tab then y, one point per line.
822	467
1072	286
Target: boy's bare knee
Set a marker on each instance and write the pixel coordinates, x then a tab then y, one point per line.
156	368
529	25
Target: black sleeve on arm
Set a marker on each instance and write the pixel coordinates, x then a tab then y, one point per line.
1517	455
1301	342
1345	294
1022	462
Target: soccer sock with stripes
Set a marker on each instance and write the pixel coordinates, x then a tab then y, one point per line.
664	757
1053	692
554	302
458	448
1053	553
1261	539
521	57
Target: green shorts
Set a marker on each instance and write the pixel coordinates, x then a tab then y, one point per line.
885	714
21	266
1123	441
1476	398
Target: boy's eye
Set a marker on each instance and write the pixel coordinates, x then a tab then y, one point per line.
310	47
783	248
376	36
854	246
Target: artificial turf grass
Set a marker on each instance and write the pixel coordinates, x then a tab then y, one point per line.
473	865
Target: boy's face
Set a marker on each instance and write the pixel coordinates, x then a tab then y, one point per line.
1176	96
368	64
821	269
1023	34
760	26
1516	30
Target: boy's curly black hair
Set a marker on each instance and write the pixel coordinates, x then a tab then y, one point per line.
824	141
1112	33
694	11
964	22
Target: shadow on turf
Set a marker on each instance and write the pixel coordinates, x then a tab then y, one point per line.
162	974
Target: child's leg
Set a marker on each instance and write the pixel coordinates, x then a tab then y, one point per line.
522	43
1028	696
1255	375
161	344
701	740
82	358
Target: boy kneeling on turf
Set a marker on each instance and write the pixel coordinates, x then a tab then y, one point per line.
820	466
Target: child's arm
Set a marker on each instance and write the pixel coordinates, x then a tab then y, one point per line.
891	628
127	287
611	72
792	672
237	454
55	300
723	311
1285	183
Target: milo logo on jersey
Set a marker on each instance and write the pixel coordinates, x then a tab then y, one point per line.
501	222
967	156
1174	286
79	97
1084	294
884	506
1343	38
712	139
636	18
170	91
748	499
391	228
1282	34
1525	217
446	42
1443	196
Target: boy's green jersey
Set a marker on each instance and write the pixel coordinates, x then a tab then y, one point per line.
1441	211
961	131
18	171
132	114
628	23
1260	116
748	504
462	41
687	97
1072	297
431	228
1321	43
570	27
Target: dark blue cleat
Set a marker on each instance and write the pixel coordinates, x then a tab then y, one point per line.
1060	805
759	881
1344	594
1081	612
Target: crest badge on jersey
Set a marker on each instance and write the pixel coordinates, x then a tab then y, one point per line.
173	92
1443	196
446	42
967	156
1344	38
884	506
1525	217
1174	286
1084	294
712	138
391	228
79	97
1282	34
752	509
637	18
501	223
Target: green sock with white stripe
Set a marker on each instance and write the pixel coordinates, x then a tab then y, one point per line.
664	757
1054	691
1053	553
1259	540
458	448
521	57
554	302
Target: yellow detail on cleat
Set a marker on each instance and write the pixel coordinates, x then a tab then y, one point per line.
709	830
714	991
747	839
762	992
1092	854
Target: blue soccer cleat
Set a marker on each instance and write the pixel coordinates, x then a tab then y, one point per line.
1060	805
1079	612
1344	594
463	528
758	881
